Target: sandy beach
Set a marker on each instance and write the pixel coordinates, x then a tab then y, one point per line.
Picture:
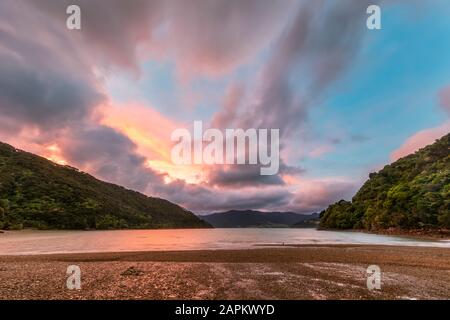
301	272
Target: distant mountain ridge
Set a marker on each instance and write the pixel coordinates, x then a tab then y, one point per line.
253	218
37	193
411	193
308	223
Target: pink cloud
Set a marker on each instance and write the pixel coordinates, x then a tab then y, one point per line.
321	150
420	140
216	36
206	37
232	100
316	194
147	128
58	93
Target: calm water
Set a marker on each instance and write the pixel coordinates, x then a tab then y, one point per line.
39	242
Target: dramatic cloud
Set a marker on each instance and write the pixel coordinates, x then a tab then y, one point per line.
206	37
238	176
232	100
42	98
113	31
53	99
321	41
49	95
205	200
222	34
314	195
39	85
115	159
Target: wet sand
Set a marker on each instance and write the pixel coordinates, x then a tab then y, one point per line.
301	272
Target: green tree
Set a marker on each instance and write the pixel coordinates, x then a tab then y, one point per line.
412	192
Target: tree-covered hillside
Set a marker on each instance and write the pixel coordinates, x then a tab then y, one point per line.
37	193
411	193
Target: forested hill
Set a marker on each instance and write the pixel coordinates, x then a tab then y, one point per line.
37	193
411	193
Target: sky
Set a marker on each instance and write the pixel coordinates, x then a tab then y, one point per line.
106	98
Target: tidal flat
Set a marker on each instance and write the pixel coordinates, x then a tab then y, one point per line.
297	272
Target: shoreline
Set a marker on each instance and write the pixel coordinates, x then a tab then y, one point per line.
419	234
265	253
413	233
301	272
